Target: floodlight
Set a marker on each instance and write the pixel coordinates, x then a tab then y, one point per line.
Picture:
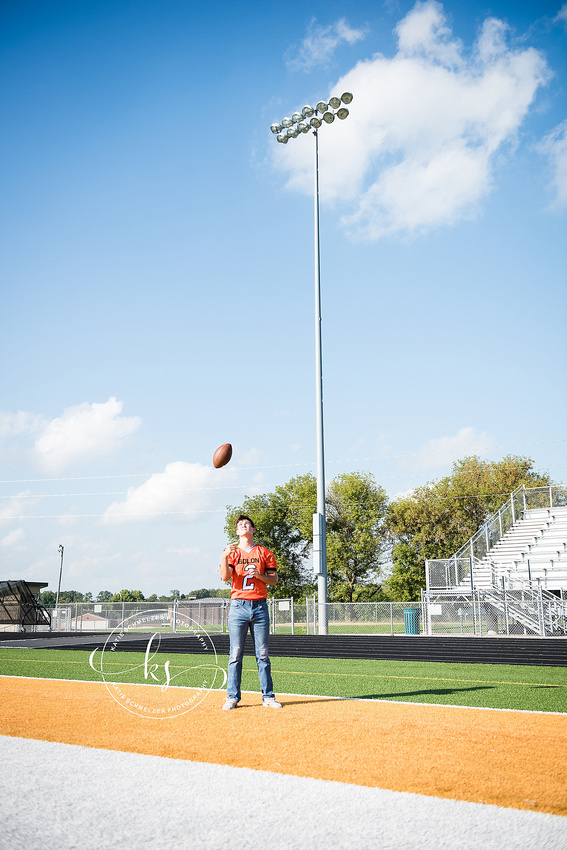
321	106
315	122
276	128
329	117
286	122
291	133
335	102
302	127
297	116
342	112
346	97
281	137
307	111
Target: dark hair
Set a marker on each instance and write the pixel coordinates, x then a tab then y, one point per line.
243	516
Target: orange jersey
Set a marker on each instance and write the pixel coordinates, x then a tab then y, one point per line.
243	585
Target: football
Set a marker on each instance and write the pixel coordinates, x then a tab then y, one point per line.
222	455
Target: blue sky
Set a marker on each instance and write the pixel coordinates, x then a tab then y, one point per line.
157	263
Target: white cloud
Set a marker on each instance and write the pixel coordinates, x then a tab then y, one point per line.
418	148
83	432
17	506
424	30
22	422
561	16
554	147
320	43
186	489
445	450
13	539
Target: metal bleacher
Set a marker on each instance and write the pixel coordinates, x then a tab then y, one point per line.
516	563
19	608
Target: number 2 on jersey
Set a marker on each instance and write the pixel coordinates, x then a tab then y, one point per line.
248	583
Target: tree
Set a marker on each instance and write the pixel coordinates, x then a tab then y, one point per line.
207	593
356	540
104	596
67	596
47	597
128	596
355	537
435	520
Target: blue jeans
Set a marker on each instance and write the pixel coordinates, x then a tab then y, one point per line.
245	614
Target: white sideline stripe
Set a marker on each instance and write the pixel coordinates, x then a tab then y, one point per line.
315	696
133	800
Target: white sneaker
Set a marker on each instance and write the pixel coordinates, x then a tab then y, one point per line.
230	703
271	702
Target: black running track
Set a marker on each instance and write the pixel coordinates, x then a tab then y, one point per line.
545	652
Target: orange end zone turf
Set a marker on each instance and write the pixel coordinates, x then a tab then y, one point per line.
505	758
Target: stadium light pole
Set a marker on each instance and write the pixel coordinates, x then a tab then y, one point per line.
290	128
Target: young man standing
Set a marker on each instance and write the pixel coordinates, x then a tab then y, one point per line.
250	568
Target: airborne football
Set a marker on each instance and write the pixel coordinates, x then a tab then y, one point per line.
222	455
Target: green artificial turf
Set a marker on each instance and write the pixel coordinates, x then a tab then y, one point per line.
479	685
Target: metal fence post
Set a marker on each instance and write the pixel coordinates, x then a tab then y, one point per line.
175	616
391	618
542	612
292	617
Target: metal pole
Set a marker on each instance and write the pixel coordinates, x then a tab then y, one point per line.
61	550
319	520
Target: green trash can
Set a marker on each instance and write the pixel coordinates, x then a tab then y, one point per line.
411	621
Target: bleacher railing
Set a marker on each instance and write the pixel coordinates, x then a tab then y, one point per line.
448	573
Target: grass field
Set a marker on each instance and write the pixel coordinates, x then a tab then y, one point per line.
477	685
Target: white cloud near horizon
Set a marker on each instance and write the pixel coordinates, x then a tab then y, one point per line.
554	147
320	43
418	149
445	450
83	432
184	489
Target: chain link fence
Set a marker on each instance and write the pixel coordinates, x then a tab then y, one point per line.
287	617
181	615
480	613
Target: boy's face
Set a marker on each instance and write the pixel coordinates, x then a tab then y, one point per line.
244	527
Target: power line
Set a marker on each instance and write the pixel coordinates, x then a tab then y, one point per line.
271	466
291	507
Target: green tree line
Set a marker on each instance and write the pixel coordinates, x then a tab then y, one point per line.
377	548
48	597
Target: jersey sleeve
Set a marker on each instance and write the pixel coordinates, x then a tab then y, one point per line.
270	562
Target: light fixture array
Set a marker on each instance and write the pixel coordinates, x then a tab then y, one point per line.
308	118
